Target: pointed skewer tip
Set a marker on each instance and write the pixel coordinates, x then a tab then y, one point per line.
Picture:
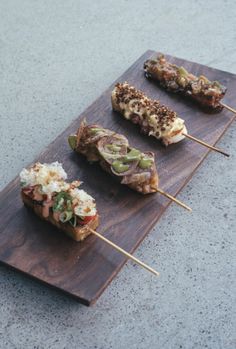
121	250
205	144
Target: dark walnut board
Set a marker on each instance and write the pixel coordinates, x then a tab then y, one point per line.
84	270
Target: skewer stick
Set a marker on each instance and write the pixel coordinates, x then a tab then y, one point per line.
136	260
227	107
205	144
174	199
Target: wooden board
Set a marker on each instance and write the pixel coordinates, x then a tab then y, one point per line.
84	270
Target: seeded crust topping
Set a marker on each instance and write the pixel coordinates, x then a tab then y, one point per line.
154	118
178	79
126	94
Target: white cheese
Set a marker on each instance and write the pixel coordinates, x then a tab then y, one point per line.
51	179
139	107
176	138
49	176
84	203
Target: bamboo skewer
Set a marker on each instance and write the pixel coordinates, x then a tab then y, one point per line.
136	260
227	107
205	144
174	199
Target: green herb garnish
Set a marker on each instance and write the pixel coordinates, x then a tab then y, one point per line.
66	216
73	221
60	200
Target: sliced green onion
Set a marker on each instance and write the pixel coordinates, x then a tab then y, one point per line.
73	221
65	216
72	140
145	163
57	207
69	205
133	155
94	130
113	147
216	83
183	72
60	199
119	167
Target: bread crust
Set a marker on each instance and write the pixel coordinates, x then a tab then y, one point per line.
76	233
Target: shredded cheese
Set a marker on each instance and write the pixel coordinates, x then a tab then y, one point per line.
84	204
49	176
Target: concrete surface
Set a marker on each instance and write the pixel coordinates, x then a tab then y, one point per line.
56	57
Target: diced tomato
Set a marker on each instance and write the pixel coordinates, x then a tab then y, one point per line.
86	219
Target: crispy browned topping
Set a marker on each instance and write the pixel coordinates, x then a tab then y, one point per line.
178	79
126	93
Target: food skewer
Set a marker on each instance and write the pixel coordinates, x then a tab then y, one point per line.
112	151
228	107
127	254
153	118
177	79
205	144
172	198
44	189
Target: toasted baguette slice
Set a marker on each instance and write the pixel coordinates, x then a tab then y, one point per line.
76	233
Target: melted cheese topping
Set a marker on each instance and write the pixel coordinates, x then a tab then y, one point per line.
84	204
164	132
176	126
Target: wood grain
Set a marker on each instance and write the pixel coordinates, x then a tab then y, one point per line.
84	270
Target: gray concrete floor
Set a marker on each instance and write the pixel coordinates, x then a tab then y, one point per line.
56	57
